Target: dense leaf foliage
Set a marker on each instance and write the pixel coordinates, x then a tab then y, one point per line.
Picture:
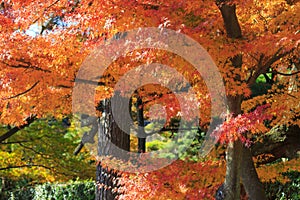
43	45
183	180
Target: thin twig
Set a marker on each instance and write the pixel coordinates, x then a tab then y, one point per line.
45	9
284	74
17	95
22	166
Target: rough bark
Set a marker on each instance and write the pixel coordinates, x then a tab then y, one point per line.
107	179
119	137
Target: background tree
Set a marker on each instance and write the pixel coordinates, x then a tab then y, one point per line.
42	152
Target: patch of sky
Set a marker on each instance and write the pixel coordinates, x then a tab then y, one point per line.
44	29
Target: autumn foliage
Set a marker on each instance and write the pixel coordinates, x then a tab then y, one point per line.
190	180
44	44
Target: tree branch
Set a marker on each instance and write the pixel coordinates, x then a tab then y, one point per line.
26	65
45	9
284	74
264	68
22	166
37	165
34	151
14	130
64	86
280	142
17	95
15	142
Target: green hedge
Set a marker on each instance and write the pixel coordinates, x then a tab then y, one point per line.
85	190
74	190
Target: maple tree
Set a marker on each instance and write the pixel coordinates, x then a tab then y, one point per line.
246	39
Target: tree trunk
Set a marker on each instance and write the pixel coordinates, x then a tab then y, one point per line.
231	23
141	131
233	168
107	179
230	190
239	163
251	182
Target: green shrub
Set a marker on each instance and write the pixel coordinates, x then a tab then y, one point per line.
155	145
288	191
73	190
